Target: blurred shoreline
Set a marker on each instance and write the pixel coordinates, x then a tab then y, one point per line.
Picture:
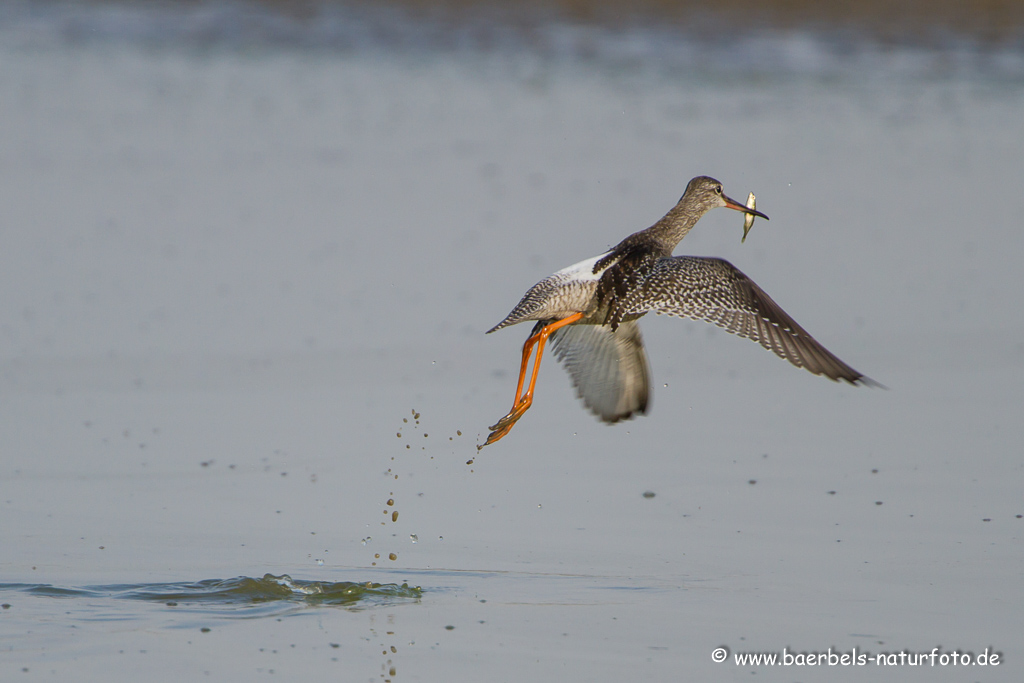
734	37
985	24
901	21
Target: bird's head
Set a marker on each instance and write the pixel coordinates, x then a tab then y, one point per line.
704	193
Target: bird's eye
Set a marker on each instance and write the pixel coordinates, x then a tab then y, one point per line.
718	189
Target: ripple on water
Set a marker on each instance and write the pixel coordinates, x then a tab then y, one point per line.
239	593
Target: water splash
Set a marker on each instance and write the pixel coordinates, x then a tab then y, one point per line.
239	591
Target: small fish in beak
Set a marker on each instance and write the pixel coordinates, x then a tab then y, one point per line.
748	219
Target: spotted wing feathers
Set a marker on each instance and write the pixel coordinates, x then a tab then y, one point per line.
631	267
715	291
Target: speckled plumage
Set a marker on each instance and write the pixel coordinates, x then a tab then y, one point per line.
603	350
558	295
715	291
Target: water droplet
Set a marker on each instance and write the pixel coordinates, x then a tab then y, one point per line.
414	538
394	516
319	562
391	501
392	557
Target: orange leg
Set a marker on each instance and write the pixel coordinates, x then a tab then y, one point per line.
523	401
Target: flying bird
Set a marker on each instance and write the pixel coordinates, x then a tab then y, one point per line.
589	311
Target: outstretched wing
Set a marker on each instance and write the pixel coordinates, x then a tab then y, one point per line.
715	291
608	368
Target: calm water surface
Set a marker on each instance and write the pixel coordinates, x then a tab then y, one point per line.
246	284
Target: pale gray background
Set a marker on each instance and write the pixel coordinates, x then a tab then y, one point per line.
229	271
